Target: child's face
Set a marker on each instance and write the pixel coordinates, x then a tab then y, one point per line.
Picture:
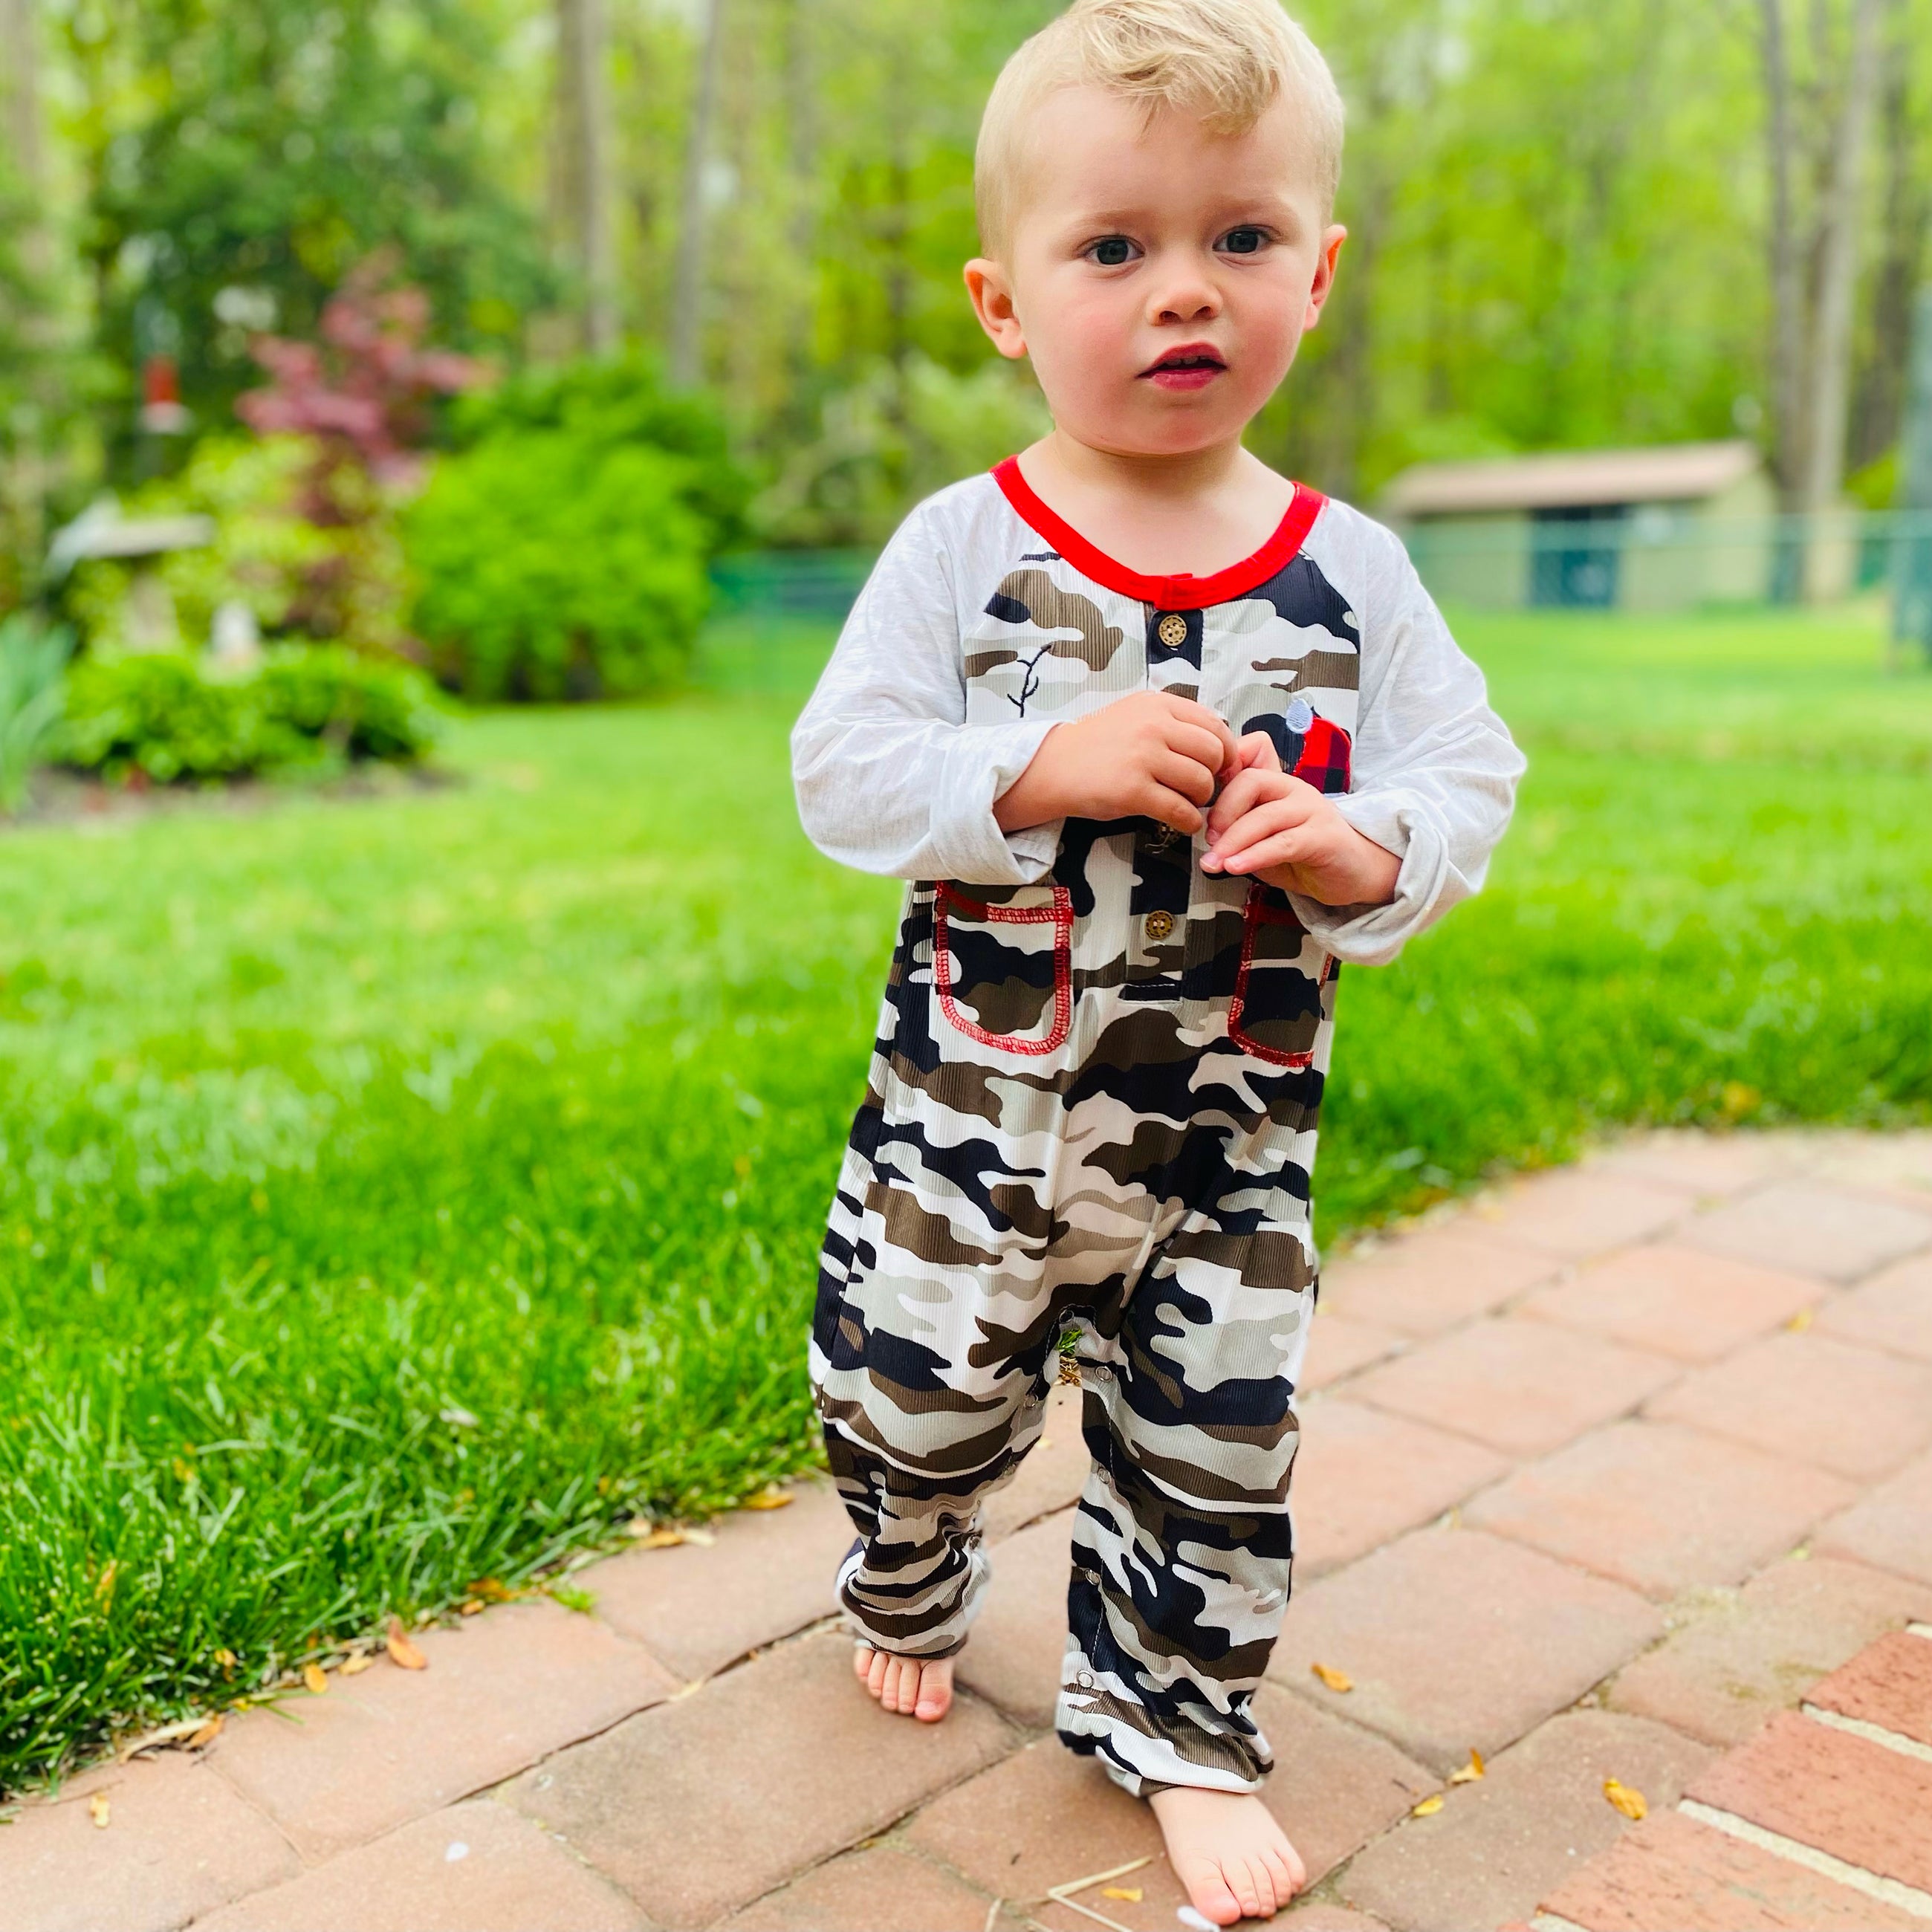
1160	276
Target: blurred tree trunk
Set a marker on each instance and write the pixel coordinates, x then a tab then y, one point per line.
687	314
26	479
1787	293
801	138
1829	390
582	179
1829	118
1879	405
20	91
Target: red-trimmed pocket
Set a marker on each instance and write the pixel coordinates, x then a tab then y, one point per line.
1004	967
1278	1007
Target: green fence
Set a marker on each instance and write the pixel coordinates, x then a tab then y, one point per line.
1642	558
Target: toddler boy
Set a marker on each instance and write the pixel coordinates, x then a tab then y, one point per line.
1161	739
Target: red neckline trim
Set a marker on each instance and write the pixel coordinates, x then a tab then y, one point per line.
1164	593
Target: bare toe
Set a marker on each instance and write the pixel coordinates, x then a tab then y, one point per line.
863	1655
875	1673
935	1691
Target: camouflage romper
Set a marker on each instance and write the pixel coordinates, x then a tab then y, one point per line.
1092	1110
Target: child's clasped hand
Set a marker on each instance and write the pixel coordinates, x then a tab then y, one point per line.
1159	756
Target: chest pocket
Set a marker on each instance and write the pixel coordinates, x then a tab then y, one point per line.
1003	965
1284	987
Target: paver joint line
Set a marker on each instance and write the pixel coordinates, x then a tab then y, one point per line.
1873	1734
1891	1891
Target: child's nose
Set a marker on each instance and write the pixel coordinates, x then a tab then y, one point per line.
1185	296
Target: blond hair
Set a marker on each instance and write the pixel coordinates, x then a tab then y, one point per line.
1226	61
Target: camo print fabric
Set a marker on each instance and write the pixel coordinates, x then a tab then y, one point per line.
1093	1108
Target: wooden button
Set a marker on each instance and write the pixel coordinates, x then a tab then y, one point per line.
1160	925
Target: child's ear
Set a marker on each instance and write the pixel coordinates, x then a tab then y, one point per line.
1333	236
992	290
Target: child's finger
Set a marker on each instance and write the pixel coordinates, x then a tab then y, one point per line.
1291	847
1178	772
1170	807
1192	712
1242	794
1256	752
1273	815
1194	741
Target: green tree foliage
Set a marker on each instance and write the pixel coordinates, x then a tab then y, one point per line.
240	159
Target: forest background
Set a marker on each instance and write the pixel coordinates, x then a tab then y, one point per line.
1573	222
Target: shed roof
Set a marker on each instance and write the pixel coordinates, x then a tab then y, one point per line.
1674	472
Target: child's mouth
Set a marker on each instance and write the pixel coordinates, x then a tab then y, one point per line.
1193	366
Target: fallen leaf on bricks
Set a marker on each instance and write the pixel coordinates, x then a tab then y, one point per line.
703	1538
316	1678
469	1606
1629	1802
401	1650
1800	1321
98	1809
1470	1772
770	1497
1428	1808
1128	1895
354	1667
207	1734
1336	1680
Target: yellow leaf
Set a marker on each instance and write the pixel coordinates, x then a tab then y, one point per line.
104	1589
1470	1772
401	1650
1428	1808
1129	1894
655	1535
227	1659
354	1667
1800	1321
208	1733
1629	1802
703	1538
1336	1680
315	1678
491	1590
469	1606
98	1809
770	1497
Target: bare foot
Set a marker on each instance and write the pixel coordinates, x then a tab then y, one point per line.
915	1687
1226	1848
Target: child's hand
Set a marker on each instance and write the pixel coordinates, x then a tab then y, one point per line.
1279	829
1152	755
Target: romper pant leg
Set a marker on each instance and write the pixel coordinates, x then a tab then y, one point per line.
1183	1549
928	1364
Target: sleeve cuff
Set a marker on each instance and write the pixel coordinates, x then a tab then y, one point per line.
1425	888
967	843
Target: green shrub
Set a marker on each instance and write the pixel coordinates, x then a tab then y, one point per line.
162	715
618	402
561	550
553	567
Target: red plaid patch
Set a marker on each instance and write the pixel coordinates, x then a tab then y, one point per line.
1324	762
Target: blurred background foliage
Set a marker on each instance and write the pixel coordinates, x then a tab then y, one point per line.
1574	222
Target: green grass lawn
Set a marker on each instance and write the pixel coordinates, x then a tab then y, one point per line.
403	1192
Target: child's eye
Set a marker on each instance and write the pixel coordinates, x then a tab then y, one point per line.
1244	241
1114	251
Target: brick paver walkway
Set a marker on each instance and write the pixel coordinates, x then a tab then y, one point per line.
1601	1476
